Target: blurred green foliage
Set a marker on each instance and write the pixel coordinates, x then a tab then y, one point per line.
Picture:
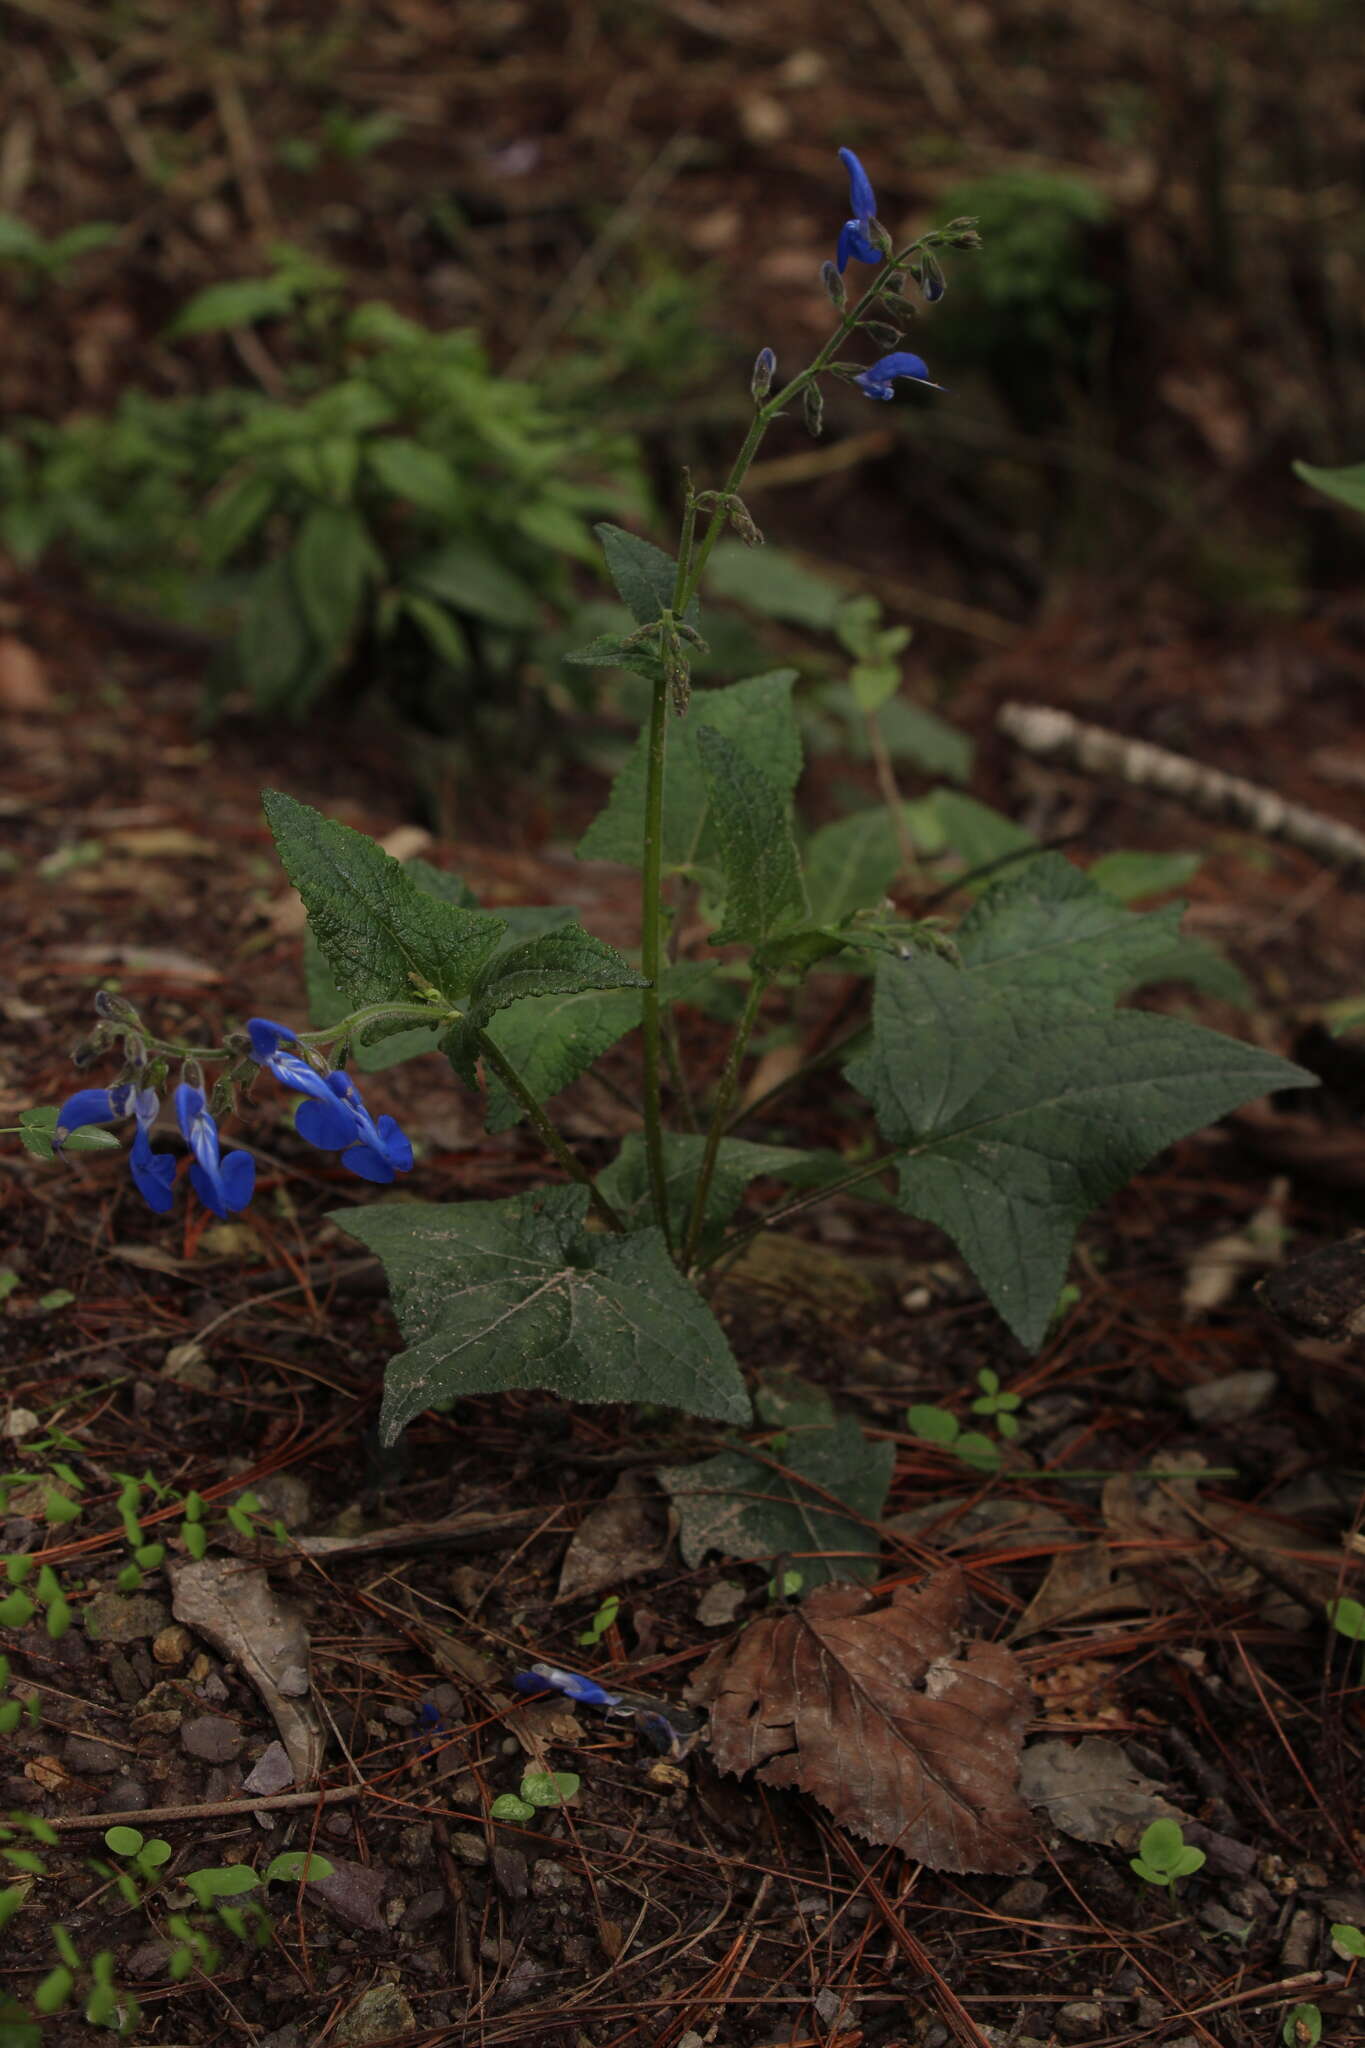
402	512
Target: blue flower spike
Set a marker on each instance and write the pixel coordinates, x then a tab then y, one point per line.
855	236
880	380
223	1185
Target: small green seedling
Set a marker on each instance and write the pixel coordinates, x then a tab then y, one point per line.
1000	1407
1302	2027
1164	1854
787	1586
1348	1941
601	1621
538	1788
1347	1617
938	1426
146	1858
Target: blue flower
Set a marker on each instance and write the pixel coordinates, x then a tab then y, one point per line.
855	236
375	1151
153	1172
222	1185
334	1118
879	381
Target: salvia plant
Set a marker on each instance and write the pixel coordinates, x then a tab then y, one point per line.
1011	1095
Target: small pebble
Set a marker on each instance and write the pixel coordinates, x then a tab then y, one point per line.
172	1645
210	1738
1079	2020
90	1757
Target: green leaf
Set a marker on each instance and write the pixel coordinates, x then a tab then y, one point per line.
1347	485
1018	1118
757	852
565	962
19	243
1131	876
743	1508
332	560
1162	1842
493	1295
297	1866
551	1040
549	1788
851	864
232	516
933	1425
873	683
374	926
1347	1617
507	1806
1302	2027
35	1135
755	715
228	1881
421	476
643	574
625	1182
974	830
438	627
773	582
239	302
276	655
472	580
1050	929
609	650
123	1841
1347	1940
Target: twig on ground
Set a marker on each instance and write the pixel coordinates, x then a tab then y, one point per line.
1057	736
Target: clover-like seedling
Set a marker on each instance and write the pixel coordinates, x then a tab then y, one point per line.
146	1858
1348	1941
1164	1854
1347	1617
1302	2027
538	1788
786	1586
601	1621
990	1401
939	1426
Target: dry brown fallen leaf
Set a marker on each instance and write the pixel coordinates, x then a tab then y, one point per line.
875	1708
235	1608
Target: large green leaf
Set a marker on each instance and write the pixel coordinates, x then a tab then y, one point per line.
1018	1114
563	962
625	1182
551	1040
757	852
494	1295
745	1508
1049	928
643	574
755	715
375	926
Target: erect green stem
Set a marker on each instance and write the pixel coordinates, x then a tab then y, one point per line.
720	1112
545	1130
693	556
651	949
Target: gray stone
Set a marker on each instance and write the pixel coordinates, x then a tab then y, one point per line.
467	1847
378	2013
210	1738
414	1846
355	1893
1022	1900
1230	1399
89	1757
1079	2020
271	1772
424	1907
114	1617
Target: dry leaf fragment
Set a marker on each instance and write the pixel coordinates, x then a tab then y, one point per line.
875	1709
237	1610
621	1538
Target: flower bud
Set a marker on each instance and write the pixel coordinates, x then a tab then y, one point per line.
813	409
882	333
881	237
765	369
932	282
962	234
834	285
743	522
117	1008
